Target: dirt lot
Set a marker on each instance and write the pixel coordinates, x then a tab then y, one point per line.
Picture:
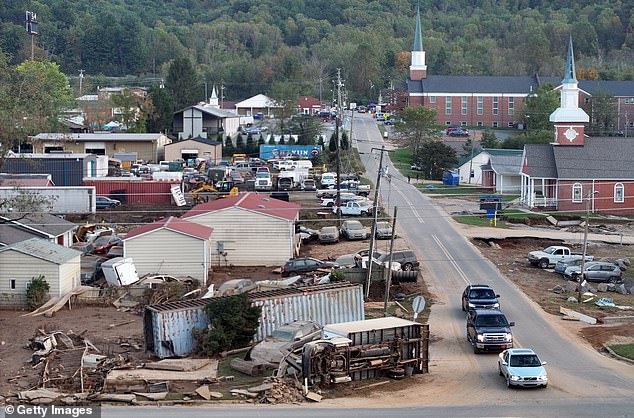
510	258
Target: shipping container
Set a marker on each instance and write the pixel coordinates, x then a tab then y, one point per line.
133	190
65	169
168	327
59	200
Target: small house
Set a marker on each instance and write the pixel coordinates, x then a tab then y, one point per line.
36	225
22	261
170	246
191	149
249	229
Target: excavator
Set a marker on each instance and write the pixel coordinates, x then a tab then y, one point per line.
203	192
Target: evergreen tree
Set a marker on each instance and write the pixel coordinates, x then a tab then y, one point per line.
489	140
282	141
250	147
332	144
227	149
344	141
468	148
434	158
261	140
291	140
182	83
163	116
240	148
321	141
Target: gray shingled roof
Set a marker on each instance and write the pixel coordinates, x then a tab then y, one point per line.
45	222
507	164
540	161
473	84
599	158
44	250
616	88
10	234
199	139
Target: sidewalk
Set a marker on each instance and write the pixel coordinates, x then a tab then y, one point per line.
472	231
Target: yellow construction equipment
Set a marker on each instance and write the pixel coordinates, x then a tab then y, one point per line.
203	191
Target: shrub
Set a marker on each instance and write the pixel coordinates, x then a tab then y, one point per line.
337	275
37	292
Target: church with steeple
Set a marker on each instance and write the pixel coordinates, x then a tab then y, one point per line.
497	101
576	171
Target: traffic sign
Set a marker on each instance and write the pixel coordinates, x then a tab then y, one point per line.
418	305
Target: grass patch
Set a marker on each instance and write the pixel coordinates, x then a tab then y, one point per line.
479	221
520	214
625	350
464	192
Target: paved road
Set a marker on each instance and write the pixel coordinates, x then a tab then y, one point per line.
450	262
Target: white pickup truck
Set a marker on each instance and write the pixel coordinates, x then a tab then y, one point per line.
355	207
551	255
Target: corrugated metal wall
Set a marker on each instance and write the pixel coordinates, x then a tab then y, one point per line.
134	191
168	330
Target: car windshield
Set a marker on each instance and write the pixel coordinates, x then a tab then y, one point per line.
481	294
329	230
525	360
354	226
549	250
491	321
284	335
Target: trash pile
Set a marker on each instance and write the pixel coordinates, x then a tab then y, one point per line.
274	390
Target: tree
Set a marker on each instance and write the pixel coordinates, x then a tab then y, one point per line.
332	144
182	83
489	140
227	149
344	141
434	158
250	148
240	144
603	113
284	95
417	124
134	110
33	96
261	140
234	322
163	104
539	106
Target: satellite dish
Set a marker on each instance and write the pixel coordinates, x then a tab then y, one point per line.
418	305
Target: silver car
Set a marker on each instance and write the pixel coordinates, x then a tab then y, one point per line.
286	338
522	367
596	271
328	234
383	230
353	230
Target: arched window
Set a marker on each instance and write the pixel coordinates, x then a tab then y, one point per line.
619	193
577	193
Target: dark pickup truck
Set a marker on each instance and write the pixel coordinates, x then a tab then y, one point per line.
488	330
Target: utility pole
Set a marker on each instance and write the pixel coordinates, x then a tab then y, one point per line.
337	120
81	79
320	102
388	282
222	93
585	243
374	216
31	28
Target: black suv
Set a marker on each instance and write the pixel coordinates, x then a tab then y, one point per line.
479	296
407	258
488	330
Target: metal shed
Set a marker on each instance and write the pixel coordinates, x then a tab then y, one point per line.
168	327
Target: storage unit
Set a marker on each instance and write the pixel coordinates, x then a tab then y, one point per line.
170	246
168	327
133	190
66	169
249	229
22	261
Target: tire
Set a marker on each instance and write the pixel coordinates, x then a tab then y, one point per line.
543	263
500	370
544	386
364	214
508	382
408	267
462	306
614	279
476	350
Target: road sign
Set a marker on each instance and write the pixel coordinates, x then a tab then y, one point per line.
418	305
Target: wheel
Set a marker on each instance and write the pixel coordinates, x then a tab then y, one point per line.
500	370
408	267
614	279
545	386
330	204
463	308
364	214
476	350
543	263
508	382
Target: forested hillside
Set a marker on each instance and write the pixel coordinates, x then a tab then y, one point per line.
249	44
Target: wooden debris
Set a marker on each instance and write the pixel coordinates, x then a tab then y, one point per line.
371	385
261	388
216	395
159	396
179	365
116	397
315	397
584	318
203	392
121	323
242	392
55	304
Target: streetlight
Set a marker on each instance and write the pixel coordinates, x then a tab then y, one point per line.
585	243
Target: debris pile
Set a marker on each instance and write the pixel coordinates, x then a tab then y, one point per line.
273	390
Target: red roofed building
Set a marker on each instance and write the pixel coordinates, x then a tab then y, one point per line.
309	105
171	246
249	229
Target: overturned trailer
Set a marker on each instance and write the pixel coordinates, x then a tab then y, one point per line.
368	349
168	327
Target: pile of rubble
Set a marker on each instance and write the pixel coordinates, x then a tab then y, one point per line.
276	390
572	286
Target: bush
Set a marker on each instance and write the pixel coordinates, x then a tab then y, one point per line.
337	276
37	292
233	321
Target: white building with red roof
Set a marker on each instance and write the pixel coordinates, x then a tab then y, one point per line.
249	229
171	246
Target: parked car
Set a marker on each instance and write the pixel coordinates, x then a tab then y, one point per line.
488	330
353	230
406	258
479	296
103	244
328	234
285	339
522	367
348	260
383	230
305	265
599	271
103	202
567	267
307	234
459	132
